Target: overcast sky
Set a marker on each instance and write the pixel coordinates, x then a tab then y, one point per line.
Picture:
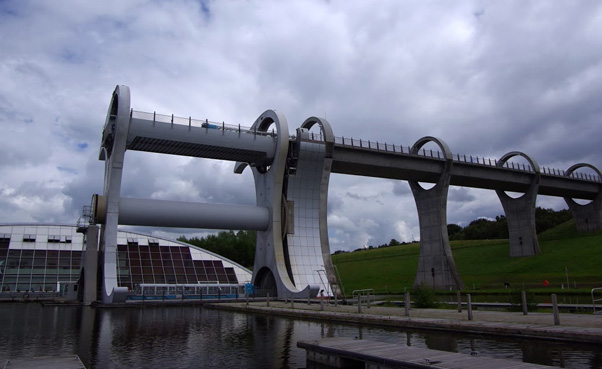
487	77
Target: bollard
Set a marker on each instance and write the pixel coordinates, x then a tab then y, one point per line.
336	296
555	309
524	300
368	303
268	300
321	304
308	300
407	303
459	298
359	304
292	302
247	297
469	306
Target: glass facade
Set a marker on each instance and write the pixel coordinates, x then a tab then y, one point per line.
168	264
38	258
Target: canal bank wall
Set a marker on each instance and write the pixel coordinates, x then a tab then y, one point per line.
584	328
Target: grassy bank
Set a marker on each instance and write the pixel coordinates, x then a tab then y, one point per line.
484	264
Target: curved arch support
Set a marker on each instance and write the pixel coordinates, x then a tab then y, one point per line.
271	251
113	148
436	265
326	130
306	196
520	212
587	217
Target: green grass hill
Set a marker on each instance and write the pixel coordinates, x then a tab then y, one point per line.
483	264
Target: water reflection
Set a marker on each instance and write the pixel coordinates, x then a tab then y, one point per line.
196	337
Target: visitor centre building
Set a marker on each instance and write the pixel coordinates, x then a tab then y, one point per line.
41	258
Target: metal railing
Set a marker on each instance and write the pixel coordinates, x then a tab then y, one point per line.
364	145
365	291
460	158
597	300
207	124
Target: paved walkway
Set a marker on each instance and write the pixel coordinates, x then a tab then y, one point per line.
572	327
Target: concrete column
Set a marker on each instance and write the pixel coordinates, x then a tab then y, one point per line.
588	217
90	265
436	266
520	213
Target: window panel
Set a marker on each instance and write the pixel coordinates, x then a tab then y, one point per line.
144	252
186	253
170	279
149	278
12	262
178	264
231	275
157	262
189	263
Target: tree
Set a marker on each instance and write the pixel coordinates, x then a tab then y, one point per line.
394	242
455	232
236	246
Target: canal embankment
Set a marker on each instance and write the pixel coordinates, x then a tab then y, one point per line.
586	328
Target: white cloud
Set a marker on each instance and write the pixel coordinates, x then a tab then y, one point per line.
487	78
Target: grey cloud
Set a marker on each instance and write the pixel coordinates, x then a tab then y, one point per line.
486	78
401	188
460	194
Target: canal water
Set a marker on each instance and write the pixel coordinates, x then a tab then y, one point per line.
200	337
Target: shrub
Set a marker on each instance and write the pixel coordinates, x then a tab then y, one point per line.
423	296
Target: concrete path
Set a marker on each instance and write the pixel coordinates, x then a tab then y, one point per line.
572	327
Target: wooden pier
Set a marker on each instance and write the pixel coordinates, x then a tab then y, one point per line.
353	353
46	362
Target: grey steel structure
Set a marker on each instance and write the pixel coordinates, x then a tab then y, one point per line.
291	182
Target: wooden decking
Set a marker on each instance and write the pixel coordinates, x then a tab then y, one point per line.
45	362
351	353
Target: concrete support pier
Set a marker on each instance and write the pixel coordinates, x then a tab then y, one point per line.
520	212
91	265
588	217
436	266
